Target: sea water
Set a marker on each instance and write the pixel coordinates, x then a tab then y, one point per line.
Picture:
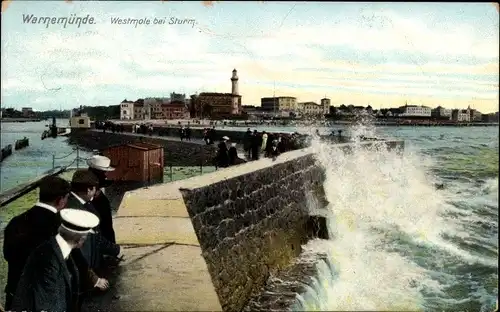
401	244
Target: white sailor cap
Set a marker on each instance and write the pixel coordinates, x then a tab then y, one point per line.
225	138
78	221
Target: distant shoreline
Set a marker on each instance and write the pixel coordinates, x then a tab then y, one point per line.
241	124
20	119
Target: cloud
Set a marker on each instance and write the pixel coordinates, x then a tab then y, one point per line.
108	63
388	31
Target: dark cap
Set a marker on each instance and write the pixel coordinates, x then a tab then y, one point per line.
52	188
85	177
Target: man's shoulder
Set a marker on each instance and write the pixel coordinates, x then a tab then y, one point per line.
45	252
100	198
24	217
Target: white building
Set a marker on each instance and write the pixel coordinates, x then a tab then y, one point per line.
310	109
461	115
126	110
415	111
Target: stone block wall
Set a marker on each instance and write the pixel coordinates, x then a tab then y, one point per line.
176	153
254	224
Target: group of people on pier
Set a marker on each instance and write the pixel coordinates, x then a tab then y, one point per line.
110	126
61	250
185	133
255	144
209	135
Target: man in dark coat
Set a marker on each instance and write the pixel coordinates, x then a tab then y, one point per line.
84	185
247	143
222	153
212	134
50	279
256	145
28	230
275	151
99	165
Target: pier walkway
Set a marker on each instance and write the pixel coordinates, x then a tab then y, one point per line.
155	136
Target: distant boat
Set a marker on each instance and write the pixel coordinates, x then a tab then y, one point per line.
45	134
20	144
6	152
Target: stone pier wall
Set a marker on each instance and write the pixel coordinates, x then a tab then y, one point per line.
253	225
177	153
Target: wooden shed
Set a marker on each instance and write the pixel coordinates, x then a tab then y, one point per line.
142	162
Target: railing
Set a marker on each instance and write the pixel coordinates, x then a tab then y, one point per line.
19	191
174	173
77	158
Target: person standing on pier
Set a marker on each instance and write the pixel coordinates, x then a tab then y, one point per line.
255	145
50	279
247	144
222	153
100	165
275	151
233	155
188	133
212	135
31	228
264	142
182	133
84	186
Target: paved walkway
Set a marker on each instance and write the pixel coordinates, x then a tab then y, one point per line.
164	269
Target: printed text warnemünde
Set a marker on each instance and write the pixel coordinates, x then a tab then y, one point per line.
71	20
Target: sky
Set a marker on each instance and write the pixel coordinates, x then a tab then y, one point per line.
378	54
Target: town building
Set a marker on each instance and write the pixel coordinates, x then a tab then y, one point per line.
126	110
177	97
441	113
175	110
212	104
279	104
218	105
325	103
153	107
352	110
388	112
475	115
139	110
310	109
491	117
460	115
415	111
27	112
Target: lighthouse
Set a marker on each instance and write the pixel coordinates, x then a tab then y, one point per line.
236	102
234	82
